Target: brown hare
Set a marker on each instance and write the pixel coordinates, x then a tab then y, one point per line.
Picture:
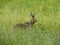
27	24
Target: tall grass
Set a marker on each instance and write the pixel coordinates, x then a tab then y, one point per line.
46	30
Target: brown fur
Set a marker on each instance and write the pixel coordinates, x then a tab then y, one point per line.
26	24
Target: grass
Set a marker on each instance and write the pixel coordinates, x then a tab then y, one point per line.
46	31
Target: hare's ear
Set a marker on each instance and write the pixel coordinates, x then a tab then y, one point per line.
31	13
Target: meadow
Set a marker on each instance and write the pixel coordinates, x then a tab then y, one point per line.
46	30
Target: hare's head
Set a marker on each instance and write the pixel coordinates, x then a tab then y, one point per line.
33	20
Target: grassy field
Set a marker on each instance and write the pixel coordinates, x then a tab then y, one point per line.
46	30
